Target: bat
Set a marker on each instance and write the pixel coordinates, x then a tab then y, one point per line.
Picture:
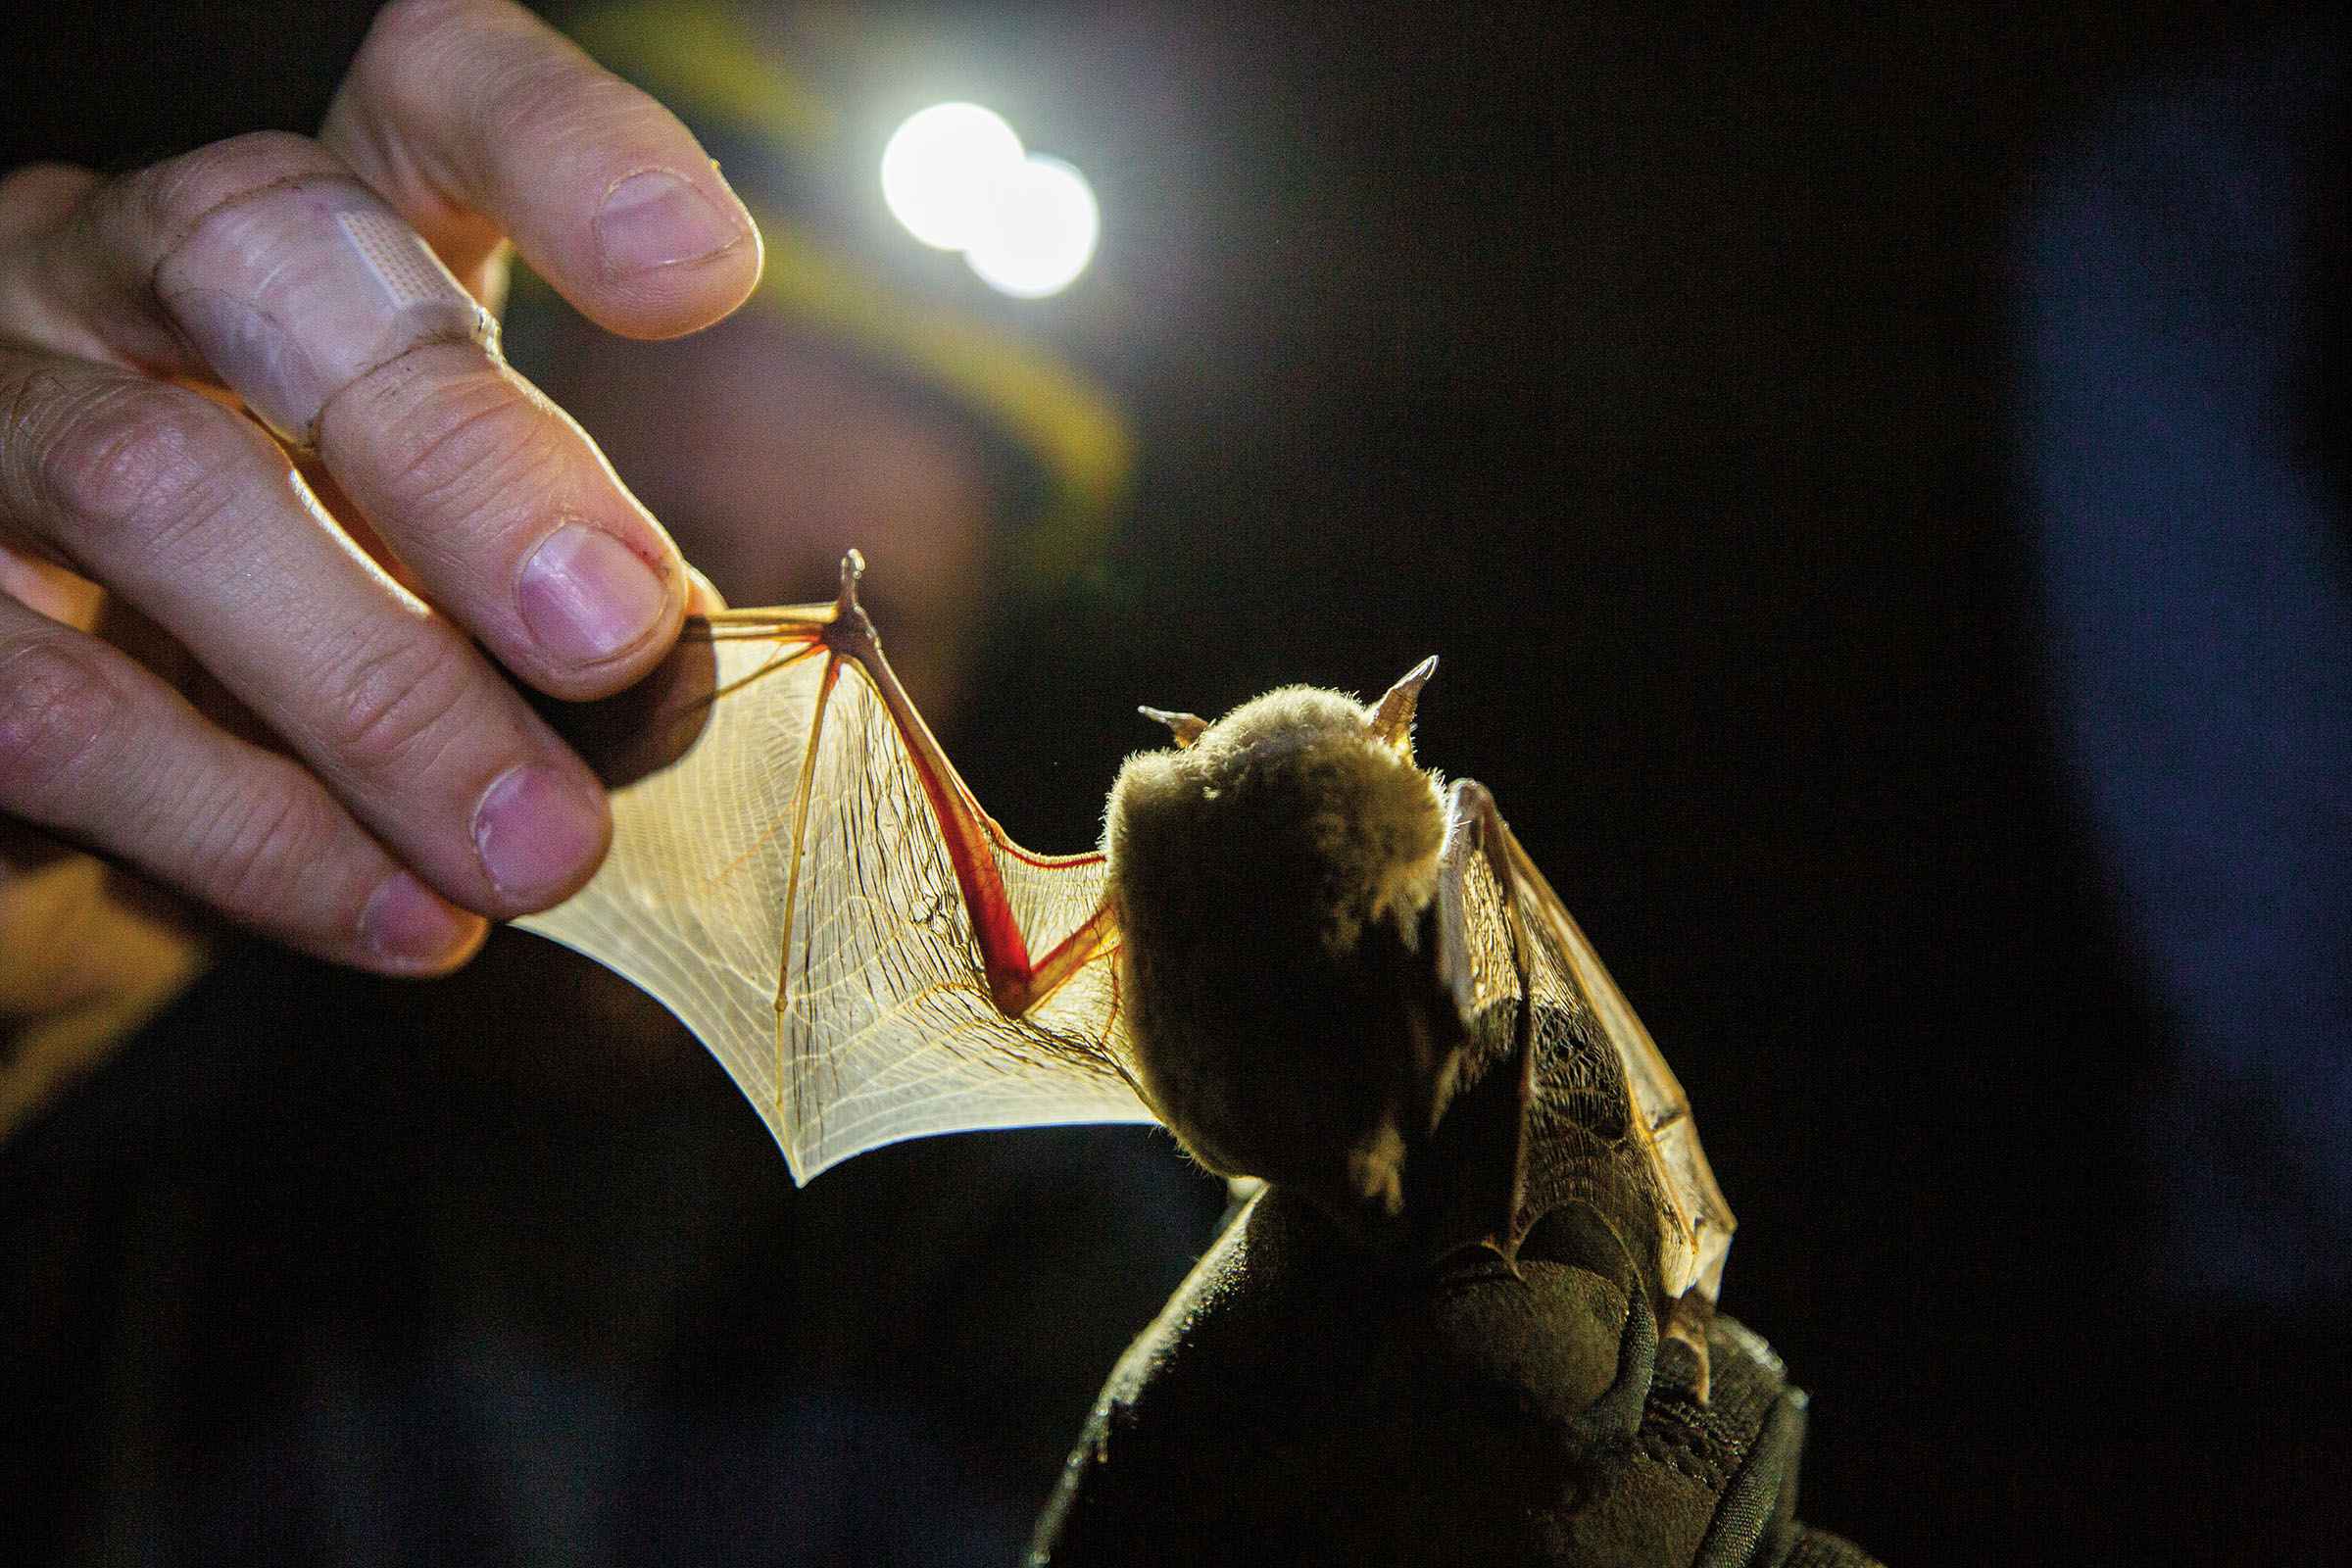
1308	957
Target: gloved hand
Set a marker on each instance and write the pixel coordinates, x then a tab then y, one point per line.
1301	1401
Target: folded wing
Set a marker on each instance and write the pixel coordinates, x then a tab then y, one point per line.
1695	1223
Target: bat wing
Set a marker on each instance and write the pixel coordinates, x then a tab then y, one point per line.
811	887
1695	1223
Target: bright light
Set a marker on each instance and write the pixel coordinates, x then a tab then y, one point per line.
941	170
957	176
1041	235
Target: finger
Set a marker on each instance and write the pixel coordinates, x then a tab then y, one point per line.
474	117
189	513
98	751
332	320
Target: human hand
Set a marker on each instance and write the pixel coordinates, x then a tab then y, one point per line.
375	786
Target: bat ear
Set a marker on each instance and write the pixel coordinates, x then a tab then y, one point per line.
1393	720
1186	727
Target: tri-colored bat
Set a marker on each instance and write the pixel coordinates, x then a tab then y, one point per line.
1312	960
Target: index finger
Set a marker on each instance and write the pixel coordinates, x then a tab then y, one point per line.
475	120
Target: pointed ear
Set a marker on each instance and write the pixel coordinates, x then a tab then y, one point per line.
1186	727
1393	720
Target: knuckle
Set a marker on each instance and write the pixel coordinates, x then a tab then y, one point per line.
264	848
24	178
406	24
59	705
37	195
457	443
550	101
512	88
396	707
172	197
133	453
407	39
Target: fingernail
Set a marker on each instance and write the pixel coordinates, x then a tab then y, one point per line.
586	596
703	597
536	830
408	925
658	219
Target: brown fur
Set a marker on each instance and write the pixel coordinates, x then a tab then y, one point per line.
1271	880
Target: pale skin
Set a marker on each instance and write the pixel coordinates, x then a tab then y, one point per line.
377	790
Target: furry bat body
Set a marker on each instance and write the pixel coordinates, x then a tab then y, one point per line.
1296	948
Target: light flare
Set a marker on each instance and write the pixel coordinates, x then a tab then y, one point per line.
958	179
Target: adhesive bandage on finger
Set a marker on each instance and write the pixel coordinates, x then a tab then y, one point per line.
294	292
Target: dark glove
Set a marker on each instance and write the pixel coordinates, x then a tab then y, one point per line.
1299	1402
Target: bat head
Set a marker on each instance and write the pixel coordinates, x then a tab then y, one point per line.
1275	876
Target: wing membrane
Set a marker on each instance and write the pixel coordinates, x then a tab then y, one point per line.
1694	1224
888	1027
790	887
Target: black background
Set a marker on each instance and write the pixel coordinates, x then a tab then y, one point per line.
1648	366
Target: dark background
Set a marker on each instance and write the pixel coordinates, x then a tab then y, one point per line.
1649	366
